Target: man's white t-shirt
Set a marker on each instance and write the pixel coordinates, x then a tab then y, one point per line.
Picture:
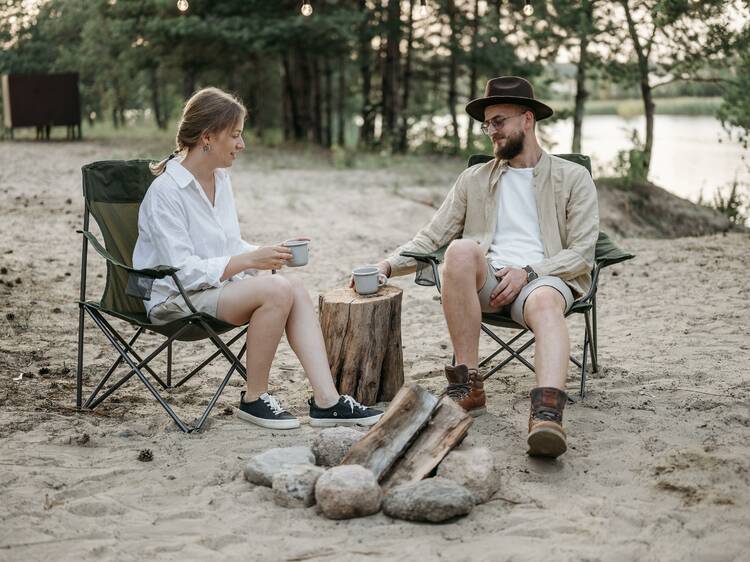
518	240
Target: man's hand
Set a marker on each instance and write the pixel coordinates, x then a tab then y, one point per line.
269	257
512	280
384	268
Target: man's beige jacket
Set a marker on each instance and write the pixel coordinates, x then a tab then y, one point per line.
566	204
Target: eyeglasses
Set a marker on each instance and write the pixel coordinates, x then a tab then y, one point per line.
496	123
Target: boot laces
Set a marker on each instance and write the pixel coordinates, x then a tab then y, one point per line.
457	391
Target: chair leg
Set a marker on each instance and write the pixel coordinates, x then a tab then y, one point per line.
79	368
169	365
144	380
216	395
516	354
593	341
218	352
583	360
111	370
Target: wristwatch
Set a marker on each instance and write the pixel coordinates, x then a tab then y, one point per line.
530	273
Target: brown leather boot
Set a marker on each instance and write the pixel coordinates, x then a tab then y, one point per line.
466	387
546	435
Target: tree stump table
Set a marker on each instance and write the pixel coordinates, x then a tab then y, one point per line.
363	341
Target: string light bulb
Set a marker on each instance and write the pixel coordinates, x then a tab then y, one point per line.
528	9
423	10
183	5
306	8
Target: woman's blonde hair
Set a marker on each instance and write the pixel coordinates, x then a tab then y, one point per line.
208	111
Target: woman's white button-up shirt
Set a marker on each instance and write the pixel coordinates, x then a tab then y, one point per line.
178	227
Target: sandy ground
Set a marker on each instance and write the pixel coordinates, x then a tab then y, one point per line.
659	459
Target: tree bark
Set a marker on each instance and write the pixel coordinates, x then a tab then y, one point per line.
363	342
153	79
382	445
447	428
328	105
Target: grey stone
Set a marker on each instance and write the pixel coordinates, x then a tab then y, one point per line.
261	468
474	469
295	486
348	491
331	445
434	500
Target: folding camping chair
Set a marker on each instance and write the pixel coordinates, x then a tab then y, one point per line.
113	191
607	253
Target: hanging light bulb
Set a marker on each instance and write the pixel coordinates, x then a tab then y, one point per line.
306	8
182	5
423	10
528	9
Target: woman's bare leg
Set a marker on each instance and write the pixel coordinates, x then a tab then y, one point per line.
306	340
265	302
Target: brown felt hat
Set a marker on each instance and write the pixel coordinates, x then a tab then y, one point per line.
508	89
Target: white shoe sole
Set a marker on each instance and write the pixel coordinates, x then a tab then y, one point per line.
332	422
268	424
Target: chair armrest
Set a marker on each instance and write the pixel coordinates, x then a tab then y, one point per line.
437	257
158	272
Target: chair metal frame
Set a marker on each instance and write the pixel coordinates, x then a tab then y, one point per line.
585	305
193	327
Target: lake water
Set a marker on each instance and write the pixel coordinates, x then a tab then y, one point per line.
691	155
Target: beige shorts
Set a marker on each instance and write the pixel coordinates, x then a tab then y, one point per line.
516	307
175	307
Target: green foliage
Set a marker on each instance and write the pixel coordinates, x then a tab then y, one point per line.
630	165
733	201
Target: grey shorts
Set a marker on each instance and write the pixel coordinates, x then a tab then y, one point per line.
175	307
516	307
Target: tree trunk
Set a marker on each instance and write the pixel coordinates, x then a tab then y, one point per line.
584	29
366	133
453	72
646	91
188	81
403	142
317	98
328	106
291	98
473	71
341	113
390	85
363	342
155	97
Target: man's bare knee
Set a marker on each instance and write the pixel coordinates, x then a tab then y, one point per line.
461	255
544	303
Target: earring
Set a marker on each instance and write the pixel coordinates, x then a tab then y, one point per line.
206	147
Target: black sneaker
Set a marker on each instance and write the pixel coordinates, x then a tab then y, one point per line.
347	411
266	412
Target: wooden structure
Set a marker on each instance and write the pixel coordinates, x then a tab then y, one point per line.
363	341
42	101
411	438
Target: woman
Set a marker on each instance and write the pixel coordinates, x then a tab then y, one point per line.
188	220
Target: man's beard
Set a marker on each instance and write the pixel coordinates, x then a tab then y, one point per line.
513	146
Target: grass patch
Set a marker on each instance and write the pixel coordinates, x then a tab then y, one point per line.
695	106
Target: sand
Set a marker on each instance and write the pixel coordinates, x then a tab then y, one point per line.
658	466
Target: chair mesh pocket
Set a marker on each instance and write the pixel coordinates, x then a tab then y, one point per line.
139	286
424	276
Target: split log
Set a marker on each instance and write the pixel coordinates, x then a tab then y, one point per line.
446	430
386	441
363	341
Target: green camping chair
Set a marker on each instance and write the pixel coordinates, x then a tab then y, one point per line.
113	191
607	253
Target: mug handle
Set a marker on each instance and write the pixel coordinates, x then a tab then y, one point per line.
382	279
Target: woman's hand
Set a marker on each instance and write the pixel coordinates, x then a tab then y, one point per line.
269	257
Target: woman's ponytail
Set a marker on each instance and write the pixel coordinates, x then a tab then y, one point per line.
157	168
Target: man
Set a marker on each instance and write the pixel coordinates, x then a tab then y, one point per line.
522	230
